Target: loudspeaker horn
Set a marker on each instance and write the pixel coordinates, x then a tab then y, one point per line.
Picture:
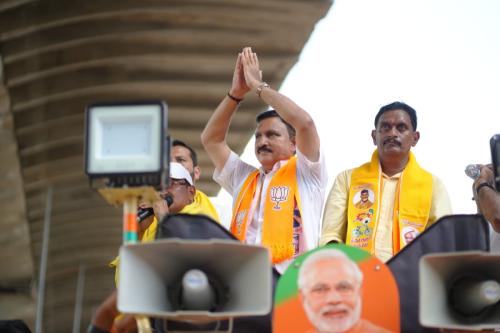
460	290
152	275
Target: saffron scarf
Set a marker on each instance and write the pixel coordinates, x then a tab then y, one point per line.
280	199
411	206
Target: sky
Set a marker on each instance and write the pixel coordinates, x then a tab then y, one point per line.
442	57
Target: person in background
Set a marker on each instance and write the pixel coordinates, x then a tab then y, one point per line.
185	155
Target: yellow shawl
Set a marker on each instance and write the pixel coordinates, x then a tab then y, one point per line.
411	207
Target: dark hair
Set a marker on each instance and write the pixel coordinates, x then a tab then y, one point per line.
272	113
180	143
398	106
364	191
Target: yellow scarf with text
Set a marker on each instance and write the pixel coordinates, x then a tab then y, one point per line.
411	206
280	199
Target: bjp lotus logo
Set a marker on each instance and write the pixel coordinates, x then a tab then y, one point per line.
279	194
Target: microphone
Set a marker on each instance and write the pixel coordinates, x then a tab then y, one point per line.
473	171
169	199
144	213
471	296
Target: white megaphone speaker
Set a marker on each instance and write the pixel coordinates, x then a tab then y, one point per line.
460	290
195	281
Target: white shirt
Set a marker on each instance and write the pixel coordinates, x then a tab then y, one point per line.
311	180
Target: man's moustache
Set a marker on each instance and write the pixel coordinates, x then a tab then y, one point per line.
393	141
264	148
334	308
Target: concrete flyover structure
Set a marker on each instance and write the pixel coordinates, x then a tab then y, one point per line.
56	57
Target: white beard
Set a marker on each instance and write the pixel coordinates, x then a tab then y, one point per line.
330	326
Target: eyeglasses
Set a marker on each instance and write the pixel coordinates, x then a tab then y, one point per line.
178	182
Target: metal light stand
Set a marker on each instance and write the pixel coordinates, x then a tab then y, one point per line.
128	197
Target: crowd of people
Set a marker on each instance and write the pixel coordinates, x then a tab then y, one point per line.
379	206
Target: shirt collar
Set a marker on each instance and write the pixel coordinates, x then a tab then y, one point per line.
395	176
275	168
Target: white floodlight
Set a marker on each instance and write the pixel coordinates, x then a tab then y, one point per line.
125	143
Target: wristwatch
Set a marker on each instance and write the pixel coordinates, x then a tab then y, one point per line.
261	86
483	184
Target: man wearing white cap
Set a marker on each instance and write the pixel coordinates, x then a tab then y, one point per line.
179	193
184	154
178	197
174	199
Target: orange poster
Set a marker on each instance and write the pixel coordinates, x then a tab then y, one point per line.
336	288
